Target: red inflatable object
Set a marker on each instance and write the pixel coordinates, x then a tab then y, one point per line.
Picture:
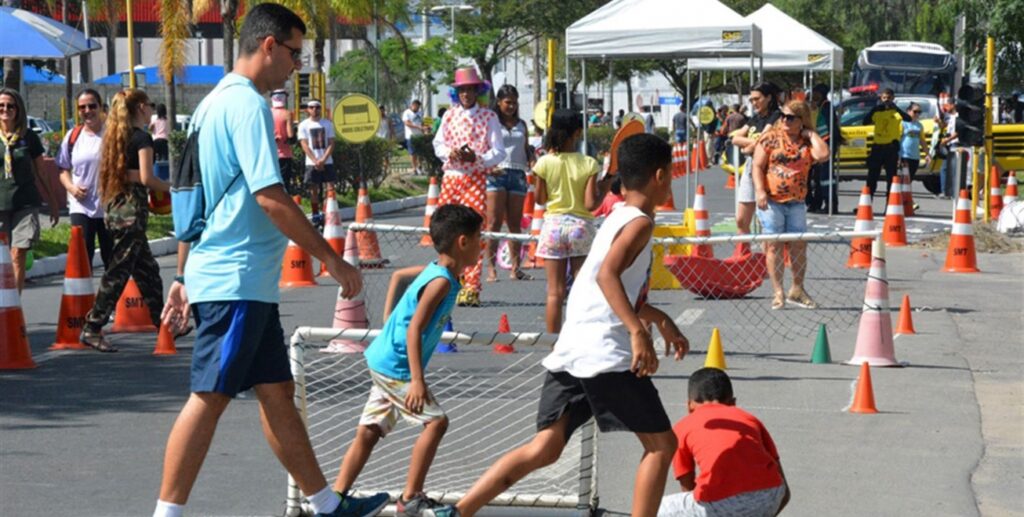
734	277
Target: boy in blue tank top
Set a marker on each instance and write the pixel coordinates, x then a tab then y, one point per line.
398	357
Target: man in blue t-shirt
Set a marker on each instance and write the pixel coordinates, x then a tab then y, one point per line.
232	273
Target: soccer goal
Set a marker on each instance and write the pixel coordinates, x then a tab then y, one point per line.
491	400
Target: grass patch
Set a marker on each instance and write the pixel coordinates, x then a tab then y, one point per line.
54	241
406	187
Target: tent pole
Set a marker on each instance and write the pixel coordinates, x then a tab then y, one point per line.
689	149
568	92
583	78
831	130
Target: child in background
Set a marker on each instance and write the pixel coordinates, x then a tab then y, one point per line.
601	366
566	181
612	200
398	357
740	473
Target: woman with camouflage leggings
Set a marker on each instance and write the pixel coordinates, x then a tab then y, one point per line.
126	169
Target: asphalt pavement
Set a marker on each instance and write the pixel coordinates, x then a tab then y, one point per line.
83	434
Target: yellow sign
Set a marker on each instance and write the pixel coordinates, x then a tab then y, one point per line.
632	115
706	115
356	118
732	36
540	114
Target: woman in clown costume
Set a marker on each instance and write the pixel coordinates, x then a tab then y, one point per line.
470	144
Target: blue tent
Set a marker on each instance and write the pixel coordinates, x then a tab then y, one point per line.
33	75
193	74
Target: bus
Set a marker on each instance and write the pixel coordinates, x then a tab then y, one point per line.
908	67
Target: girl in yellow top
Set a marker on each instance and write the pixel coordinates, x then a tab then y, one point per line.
567	182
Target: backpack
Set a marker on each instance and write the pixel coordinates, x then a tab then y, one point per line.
75	131
188	202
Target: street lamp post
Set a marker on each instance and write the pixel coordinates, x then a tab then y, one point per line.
452	8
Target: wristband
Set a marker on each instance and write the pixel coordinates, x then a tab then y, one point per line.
180	279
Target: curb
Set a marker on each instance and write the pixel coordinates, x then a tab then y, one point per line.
169	245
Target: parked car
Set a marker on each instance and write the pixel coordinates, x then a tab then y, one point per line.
39	125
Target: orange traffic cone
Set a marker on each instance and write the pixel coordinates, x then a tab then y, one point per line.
296	268
1010	195
503	328
14	351
165	342
906	324
333	232
703	226
961	257
349	312
131	314
907	196
297	199
702	155
528	201
678	160
860	248
995	196
538	220
433	192
730	181
895	227
694	159
670	203
78	295
874	334
864	397
369	248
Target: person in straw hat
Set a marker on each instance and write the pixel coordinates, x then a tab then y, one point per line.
470	144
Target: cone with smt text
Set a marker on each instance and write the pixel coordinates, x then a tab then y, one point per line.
14	351
132	315
894	228
874	334
860	247
961	256
296	267
433	192
503	328
78	295
864	396
349	312
334	234
716	357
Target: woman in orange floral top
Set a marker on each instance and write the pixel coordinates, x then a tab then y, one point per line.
782	160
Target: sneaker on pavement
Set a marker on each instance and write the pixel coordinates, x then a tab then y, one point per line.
415	506
444	511
359	506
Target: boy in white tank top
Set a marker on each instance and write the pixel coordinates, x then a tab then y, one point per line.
601	366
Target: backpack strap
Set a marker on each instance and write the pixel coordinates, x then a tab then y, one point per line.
75	132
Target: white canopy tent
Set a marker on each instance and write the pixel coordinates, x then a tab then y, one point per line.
661	29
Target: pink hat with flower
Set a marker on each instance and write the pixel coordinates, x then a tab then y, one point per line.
467	77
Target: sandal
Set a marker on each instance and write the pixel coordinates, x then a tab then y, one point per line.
802	299
521	275
778	302
96	341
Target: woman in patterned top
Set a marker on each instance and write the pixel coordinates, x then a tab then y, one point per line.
782	161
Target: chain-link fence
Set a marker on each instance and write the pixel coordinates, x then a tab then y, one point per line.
702	283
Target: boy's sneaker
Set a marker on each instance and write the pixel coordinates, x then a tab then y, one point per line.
359	506
416	506
447	510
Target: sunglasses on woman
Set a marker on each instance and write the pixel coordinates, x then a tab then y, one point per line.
90	106
789	118
10	107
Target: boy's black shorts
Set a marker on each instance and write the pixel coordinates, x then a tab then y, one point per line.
619	401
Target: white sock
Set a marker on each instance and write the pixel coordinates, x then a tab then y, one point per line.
324	501
165	509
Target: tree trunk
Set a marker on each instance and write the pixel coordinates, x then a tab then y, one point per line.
229	13
629	95
172	117
12	67
318	52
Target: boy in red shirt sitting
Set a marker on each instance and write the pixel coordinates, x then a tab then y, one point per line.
740	473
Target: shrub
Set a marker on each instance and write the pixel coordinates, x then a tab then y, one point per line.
423	146
662	132
352	162
600	138
51	142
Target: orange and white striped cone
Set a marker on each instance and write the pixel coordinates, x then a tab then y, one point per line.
702	224
1010	195
678	160
132	315
702	155
433	192
14	351
78	296
503	328
874	334
694	159
860	248
995	195
907	196
369	248
535	225
349	312
961	256
730	182
528	201
333	232
894	230
296	267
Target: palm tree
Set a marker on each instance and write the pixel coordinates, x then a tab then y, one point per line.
12	67
109	11
229	18
175	19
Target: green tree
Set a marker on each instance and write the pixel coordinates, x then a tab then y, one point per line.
403	68
229	12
